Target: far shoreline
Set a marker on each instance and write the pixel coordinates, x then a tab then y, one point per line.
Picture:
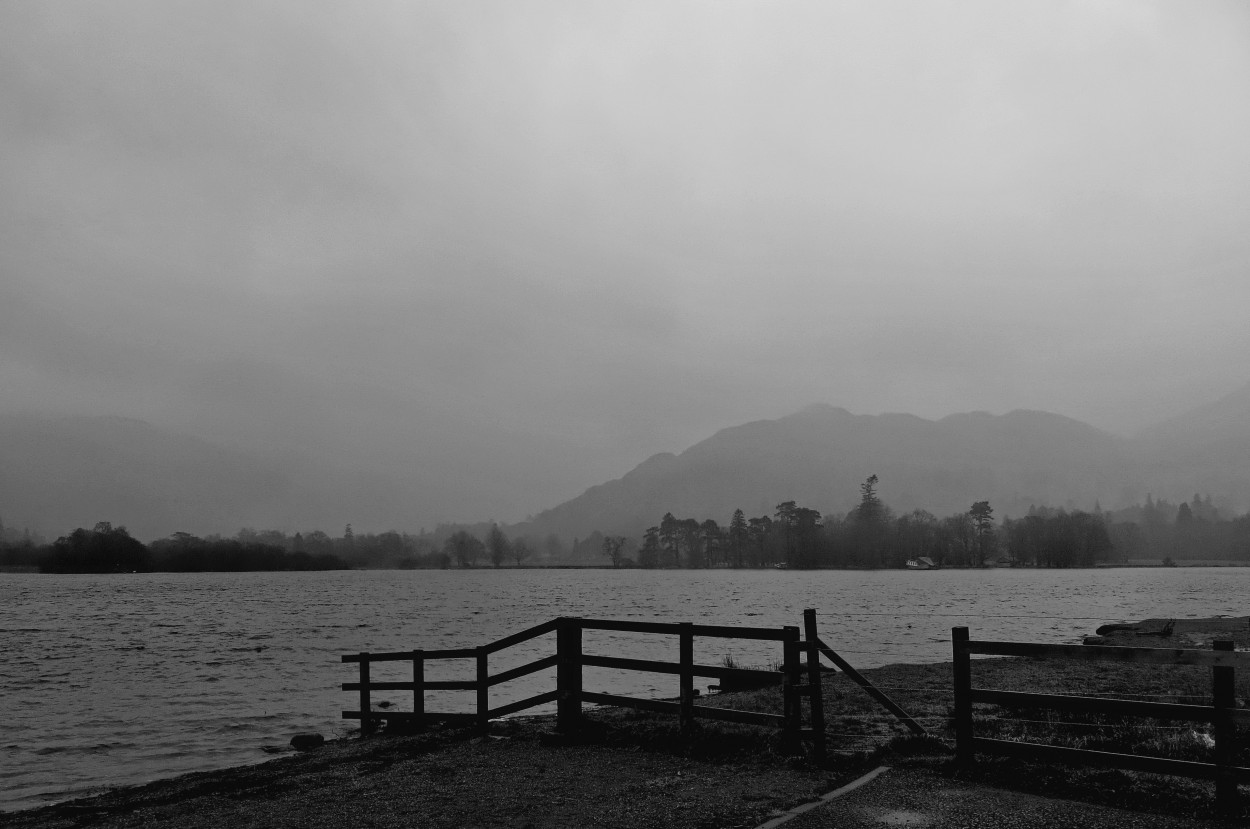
1118	565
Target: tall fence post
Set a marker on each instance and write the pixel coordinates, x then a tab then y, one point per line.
1223	698
790	673
418	689
568	675
483	690
963	696
816	700
686	658
366	722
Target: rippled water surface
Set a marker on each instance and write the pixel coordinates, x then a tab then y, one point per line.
108	680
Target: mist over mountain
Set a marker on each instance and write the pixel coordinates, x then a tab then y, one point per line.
818	457
1204	450
59	473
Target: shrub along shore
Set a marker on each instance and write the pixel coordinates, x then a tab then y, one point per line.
637	769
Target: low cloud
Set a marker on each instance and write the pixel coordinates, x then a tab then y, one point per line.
603	230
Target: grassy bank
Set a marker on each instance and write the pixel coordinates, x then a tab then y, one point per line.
925	691
636	769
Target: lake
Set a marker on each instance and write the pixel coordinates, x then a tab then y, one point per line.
109	680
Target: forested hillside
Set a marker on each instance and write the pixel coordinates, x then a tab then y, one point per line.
820	456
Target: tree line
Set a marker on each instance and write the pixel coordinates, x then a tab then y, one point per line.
109	549
1197	529
870	535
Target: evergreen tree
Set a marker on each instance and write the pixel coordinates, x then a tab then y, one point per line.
649	555
784	515
713	542
738	537
759	530
670	537
982	515
498	546
692	542
870	509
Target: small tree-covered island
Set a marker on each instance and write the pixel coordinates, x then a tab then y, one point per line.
871	535
109	549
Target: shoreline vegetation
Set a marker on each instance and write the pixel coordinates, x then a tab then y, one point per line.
637	769
1117	565
109	549
870	536
799	539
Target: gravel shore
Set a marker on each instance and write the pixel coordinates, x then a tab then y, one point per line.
519	778
525	780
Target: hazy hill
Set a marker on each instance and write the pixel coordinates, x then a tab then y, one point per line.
1223	424
59	473
1206	450
819	457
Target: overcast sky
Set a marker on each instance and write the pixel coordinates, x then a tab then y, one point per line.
545	240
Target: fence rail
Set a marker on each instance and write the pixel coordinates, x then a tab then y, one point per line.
706	631
800	677
1109	653
569	662
1222	713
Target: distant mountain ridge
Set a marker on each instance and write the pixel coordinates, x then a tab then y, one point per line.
1204	450
59	473
819	457
1223	422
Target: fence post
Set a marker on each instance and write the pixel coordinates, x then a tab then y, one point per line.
817	700
418	689
963	696
1222	693
366	722
790	672
568	674
483	690
686	657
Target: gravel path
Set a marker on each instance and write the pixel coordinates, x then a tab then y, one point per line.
516	781
922	799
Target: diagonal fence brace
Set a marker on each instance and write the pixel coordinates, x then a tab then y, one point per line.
889	704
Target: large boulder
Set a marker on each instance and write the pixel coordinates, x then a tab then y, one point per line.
307	741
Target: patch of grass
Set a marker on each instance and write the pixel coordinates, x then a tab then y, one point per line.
926	692
749	683
707	740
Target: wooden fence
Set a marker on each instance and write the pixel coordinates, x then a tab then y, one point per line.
569	660
1222	713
